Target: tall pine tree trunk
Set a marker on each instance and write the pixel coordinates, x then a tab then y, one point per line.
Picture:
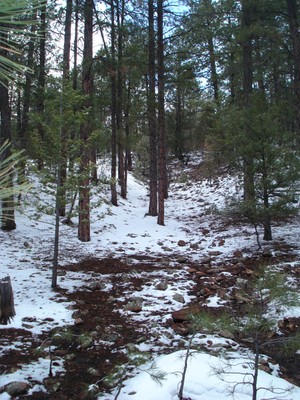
249	191
120	133
22	132
7	217
293	18
162	169
86	126
152	114
64	132
75	51
7	207
113	188
40	103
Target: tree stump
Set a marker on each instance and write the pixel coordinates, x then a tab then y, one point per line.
7	308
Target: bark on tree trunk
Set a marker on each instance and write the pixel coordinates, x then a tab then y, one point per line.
8	212
120	133
113	188
86	126
75	72
22	133
152	114
162	170
249	191
64	131
179	138
7	218
212	57
42	76
295	36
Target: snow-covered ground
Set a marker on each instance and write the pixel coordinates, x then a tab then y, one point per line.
26	255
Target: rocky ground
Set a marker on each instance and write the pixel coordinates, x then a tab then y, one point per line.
108	324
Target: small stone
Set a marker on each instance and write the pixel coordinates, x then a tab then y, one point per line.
191	270
96	286
135	305
238	254
185	313
78	321
16	388
200	273
178	297
161	286
226	334
181	243
181	329
205	260
215	253
182	260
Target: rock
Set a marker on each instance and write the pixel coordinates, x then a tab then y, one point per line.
205	260
194	246
214	253
238	254
178	297
181	329
185	313
96	286
226	334
181	243
200	273
182	260
135	305
16	388
78	321
161	286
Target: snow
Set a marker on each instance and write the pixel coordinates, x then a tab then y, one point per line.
26	255
202	381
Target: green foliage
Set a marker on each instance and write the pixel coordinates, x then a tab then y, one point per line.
260	133
61	119
269	296
206	322
14	17
263	297
9	170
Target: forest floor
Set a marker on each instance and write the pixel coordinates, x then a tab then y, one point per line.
137	304
105	331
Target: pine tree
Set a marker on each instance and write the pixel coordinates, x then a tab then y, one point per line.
86	127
